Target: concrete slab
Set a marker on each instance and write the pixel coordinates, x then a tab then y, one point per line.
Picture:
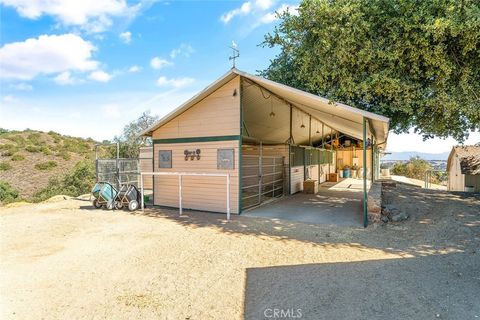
334	207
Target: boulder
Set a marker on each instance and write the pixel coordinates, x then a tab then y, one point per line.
401	216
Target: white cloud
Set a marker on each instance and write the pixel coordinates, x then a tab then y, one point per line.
264	4
249	7
244	9
100	76
273	16
21	87
184	50
91	15
174	82
64	78
134	68
46	54
126	37
110	111
159	63
9	99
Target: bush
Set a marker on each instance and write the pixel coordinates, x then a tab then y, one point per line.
33	149
8	149
7	193
18	157
78	181
45	150
46	165
18	139
35	138
65	155
415	168
4	166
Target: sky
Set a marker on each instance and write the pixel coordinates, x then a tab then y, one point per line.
86	68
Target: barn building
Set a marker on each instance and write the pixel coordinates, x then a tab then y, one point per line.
463	168
270	138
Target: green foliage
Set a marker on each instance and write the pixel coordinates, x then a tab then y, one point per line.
416	62
4	166
18	139
8	149
78	181
65	155
35	138
45	150
7	193
47	165
415	168
33	149
130	142
17	157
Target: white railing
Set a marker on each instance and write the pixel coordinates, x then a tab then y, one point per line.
180	175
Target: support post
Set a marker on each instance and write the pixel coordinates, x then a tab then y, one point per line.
291	125
141	193
365	219
228	197
180	194
373	160
310	131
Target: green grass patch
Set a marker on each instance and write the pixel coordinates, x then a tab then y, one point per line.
17	157
8	150
4	166
47	165
35	138
33	149
65	155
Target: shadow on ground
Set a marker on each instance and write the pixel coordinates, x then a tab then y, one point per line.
439	222
440	286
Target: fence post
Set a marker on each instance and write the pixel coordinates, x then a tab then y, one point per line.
141	193
228	196
180	193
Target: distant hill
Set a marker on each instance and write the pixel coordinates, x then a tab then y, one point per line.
28	159
406	155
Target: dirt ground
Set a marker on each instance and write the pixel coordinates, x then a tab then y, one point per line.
64	260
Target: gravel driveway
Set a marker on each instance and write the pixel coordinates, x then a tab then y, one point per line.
64	260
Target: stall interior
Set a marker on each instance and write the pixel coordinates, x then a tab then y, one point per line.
283	147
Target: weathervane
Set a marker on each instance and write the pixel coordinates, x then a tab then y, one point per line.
235	53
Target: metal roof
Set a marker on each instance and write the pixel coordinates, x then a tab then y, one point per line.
339	116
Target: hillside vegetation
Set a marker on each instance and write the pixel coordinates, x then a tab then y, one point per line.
36	165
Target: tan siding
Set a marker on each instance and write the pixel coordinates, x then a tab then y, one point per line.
199	193
216	115
456	180
146	165
347	158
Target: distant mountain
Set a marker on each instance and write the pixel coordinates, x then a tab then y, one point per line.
406	155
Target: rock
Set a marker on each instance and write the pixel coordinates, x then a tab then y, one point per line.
400	217
391	210
384	219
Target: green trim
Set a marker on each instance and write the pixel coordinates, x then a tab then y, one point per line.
240	154
198	139
153	177
365	216
289	169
